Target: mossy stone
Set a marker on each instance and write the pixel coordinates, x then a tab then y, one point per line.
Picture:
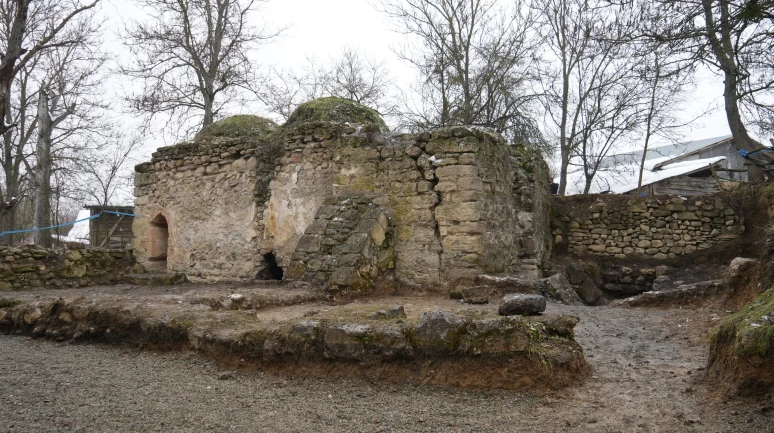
751	329
243	125
336	110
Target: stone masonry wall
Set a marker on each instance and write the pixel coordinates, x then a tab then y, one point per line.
657	227
35	267
453	203
212	194
449	195
347	245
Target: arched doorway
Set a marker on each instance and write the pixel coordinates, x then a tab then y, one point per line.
159	239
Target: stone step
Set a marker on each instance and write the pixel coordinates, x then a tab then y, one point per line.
165	279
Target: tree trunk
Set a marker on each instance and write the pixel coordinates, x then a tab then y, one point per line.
742	138
10	57
41	203
564	147
718	34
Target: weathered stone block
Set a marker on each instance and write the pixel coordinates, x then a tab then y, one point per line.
309	244
476	295
501	336
466	243
438	331
589	292
523	305
458	212
455	172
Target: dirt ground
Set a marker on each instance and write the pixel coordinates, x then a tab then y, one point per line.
647	365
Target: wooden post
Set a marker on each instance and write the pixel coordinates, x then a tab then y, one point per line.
110	233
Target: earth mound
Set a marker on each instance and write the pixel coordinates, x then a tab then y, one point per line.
337	110
243	125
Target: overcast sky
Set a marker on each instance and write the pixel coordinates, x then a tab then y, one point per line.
323	28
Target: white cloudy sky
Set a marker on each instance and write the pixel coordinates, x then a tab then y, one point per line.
322	28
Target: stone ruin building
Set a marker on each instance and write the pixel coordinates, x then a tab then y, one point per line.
333	198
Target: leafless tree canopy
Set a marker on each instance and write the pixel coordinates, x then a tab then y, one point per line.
191	57
477	62
351	75
735	38
63	64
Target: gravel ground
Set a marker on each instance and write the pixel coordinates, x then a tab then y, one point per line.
647	365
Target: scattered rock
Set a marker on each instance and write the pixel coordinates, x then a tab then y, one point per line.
380	314
397	312
521	304
685	294
740	267
346	341
226	375
558	288
589	292
32	315
575	274
306	328
476	295
662	282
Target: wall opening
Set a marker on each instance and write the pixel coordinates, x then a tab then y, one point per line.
159	239
272	271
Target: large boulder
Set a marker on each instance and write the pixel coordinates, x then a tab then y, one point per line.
558	288
741	267
336	110
438	331
589	292
521	304
575	274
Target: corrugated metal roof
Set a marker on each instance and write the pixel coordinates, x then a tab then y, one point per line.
666	152
619	173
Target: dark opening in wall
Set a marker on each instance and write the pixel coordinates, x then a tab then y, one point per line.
272	271
159	239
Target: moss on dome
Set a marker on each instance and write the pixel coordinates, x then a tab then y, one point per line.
243	125
338	110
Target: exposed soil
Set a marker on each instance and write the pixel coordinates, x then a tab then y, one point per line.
648	368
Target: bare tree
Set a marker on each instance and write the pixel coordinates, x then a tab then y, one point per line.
364	80
666	78
49	27
107	176
734	38
566	28
191	57
590	92
350	75
17	33
41	202
476	60
283	90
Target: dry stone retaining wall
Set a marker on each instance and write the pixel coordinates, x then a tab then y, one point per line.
656	227
34	267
